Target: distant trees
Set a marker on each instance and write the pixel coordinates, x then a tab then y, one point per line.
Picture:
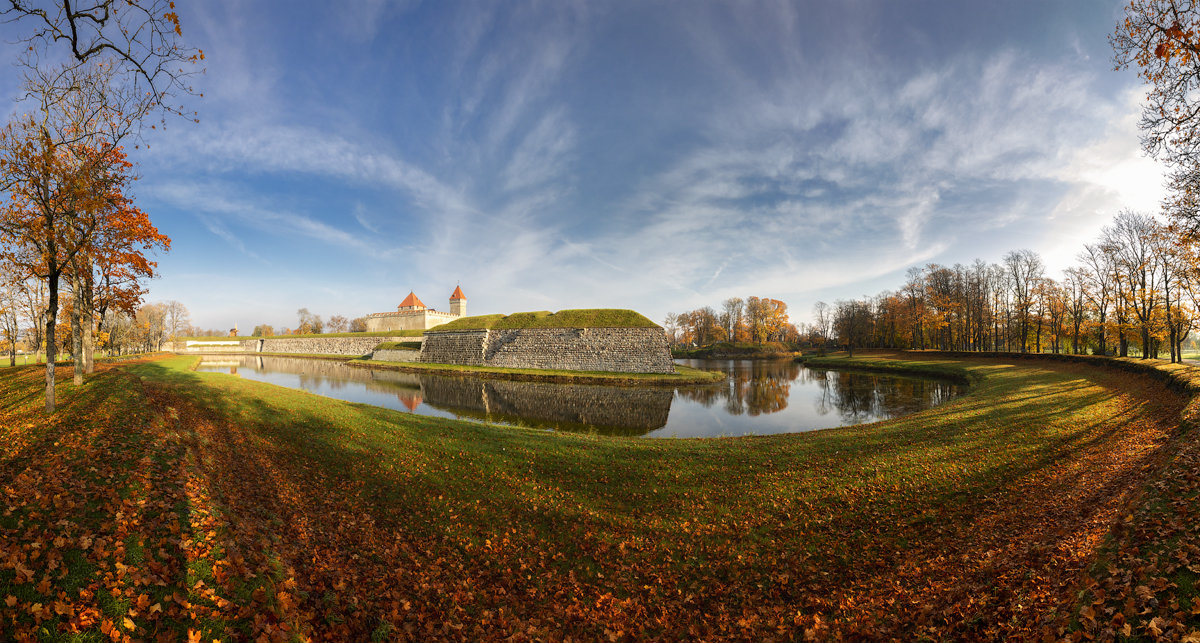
358	325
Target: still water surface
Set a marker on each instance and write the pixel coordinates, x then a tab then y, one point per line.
757	397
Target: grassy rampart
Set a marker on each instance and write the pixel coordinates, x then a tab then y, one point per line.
574	318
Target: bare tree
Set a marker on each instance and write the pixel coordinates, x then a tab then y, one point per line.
1135	242
1025	268
731	317
1099	268
823	319
178	318
140	40
11	284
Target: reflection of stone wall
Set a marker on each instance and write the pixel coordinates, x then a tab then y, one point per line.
455	393
605	406
623	409
623	350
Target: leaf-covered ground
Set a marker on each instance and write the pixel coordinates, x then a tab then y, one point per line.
1053	501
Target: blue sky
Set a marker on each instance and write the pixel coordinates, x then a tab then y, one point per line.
651	155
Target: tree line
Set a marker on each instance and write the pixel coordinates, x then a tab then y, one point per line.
754	320
1135	290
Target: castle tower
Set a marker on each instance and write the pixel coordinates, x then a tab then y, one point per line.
458	302
410	303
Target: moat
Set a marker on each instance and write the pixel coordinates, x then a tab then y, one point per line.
757	397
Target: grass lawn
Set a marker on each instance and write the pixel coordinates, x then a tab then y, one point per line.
22	360
161	502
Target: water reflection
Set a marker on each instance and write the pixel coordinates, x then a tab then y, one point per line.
611	410
761	397
757	397
863	397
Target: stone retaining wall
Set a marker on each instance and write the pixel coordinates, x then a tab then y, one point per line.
464	347
621	350
397	355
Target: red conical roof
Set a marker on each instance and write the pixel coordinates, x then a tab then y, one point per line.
457	294
411	301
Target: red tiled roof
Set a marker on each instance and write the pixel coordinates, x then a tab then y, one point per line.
411	300
457	294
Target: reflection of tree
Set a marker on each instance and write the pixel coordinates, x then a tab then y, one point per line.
752	387
866	397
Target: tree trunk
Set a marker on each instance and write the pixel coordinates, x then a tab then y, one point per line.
89	333
51	315
77	332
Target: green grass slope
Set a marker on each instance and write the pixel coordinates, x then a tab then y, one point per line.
572	318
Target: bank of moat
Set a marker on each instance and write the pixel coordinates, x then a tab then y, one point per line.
412	314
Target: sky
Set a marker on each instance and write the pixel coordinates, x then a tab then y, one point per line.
659	156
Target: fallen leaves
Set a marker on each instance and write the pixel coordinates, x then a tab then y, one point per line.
177	509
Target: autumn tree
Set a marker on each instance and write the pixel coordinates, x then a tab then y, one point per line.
309	323
852	323
337	324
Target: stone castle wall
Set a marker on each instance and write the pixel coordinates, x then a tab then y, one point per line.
298	345
407	320
622	350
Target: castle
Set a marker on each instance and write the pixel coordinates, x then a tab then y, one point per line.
411	314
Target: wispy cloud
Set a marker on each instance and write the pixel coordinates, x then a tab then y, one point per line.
210	202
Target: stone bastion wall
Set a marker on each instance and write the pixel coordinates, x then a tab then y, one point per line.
297	345
622	350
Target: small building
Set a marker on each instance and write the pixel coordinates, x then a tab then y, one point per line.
413	314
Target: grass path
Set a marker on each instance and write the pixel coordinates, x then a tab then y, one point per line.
161	502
